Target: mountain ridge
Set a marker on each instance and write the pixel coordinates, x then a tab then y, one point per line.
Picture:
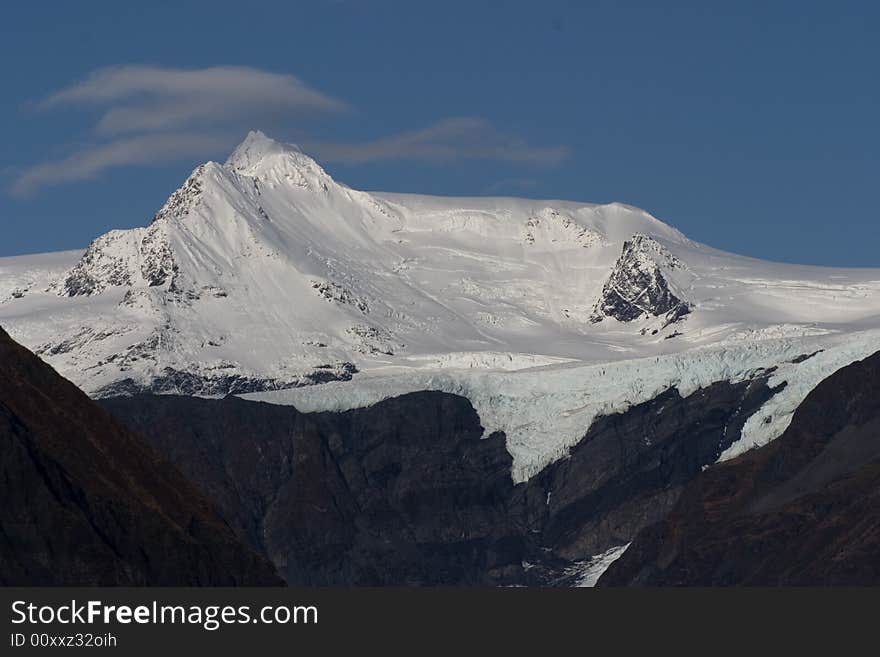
801	511
87	503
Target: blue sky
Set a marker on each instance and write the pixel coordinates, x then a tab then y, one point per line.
751	126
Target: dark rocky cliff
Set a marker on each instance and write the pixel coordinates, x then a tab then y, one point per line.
408	492
405	492
630	468
85	502
802	510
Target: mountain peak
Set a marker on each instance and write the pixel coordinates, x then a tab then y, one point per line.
255	148
263	157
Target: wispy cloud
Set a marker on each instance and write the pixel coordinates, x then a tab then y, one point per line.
151	115
463	138
143	98
88	163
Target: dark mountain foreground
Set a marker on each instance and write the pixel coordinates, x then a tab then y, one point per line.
803	510
85	502
409	492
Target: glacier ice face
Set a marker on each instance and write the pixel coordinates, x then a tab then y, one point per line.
544	411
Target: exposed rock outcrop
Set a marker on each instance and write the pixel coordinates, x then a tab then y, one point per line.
222	380
139	257
638	287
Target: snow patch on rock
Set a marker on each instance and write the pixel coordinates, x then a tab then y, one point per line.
585	574
800	376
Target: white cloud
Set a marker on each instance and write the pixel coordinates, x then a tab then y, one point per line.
143	98
88	163
463	138
151	115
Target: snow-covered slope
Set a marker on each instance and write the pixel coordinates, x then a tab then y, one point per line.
264	273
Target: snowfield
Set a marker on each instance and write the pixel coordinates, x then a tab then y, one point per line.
264	276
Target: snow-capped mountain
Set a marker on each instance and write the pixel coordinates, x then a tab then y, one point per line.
265	274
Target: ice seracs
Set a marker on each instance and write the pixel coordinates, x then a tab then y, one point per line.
263	273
